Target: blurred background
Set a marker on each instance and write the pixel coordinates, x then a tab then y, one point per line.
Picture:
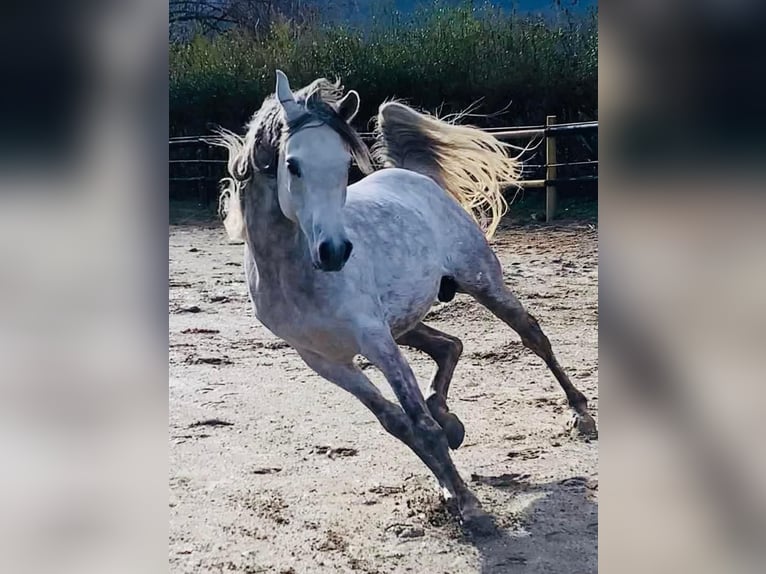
510	64
683	273
83	251
515	57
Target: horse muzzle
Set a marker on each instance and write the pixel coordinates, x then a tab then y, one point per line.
333	255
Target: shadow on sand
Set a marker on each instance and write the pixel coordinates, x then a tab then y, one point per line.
555	530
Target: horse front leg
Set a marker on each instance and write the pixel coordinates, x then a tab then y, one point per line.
390	415
445	350
350	378
429	440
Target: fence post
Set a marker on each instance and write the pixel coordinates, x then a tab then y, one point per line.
550	171
198	172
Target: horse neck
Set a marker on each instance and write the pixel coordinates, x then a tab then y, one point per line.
271	237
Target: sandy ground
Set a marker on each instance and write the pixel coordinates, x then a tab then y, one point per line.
273	469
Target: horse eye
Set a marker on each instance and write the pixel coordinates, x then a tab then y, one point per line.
292	167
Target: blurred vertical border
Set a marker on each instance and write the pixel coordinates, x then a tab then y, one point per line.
682	284
83	286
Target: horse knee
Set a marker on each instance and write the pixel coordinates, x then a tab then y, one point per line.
396	423
432	434
456	348
447	351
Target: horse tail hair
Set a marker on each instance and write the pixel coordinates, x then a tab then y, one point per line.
470	164
232	186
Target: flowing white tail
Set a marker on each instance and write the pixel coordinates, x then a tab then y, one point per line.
472	165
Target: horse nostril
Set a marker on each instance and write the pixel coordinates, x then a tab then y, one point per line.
325	252
347	248
333	255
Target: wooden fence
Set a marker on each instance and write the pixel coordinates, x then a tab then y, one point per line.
204	163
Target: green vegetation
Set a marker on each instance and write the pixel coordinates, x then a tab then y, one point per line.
440	58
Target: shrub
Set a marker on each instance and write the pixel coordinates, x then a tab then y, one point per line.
438	57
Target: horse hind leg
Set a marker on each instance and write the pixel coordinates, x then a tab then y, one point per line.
505	305
489	289
445	350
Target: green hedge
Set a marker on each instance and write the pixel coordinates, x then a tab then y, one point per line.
446	57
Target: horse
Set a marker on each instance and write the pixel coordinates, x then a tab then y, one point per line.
339	271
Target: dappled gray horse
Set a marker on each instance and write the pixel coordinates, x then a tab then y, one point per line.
339	271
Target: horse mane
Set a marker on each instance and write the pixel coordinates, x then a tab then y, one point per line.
470	164
257	152
230	207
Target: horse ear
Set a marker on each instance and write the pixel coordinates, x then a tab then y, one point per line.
348	106
285	95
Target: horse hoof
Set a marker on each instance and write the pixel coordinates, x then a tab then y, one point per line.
584	426
477	522
454	430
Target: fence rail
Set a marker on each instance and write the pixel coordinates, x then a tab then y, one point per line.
548	133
